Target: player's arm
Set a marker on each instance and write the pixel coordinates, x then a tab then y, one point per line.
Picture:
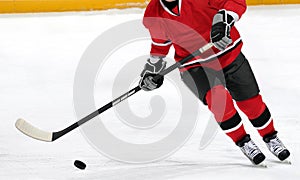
155	63
235	8
230	11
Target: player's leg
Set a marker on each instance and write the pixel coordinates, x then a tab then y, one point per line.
243	87
211	91
231	122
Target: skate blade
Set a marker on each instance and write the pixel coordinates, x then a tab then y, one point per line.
286	161
261	165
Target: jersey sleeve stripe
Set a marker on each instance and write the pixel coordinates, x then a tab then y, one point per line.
167	43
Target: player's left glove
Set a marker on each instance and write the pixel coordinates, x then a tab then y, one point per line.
154	65
220	31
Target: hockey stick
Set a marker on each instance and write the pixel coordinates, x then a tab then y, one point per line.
41	135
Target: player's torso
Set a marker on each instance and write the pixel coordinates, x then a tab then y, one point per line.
189	30
196	14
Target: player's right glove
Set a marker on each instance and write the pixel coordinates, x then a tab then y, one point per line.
220	31
154	65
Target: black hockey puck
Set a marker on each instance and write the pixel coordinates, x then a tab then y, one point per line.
79	164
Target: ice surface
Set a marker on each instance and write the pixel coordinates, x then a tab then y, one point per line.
39	54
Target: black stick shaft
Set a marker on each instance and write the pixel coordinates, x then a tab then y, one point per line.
58	134
61	133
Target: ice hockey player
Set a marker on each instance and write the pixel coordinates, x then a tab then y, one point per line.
214	20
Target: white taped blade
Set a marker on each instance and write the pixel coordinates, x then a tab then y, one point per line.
32	131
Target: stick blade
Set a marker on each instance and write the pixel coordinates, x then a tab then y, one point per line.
32	131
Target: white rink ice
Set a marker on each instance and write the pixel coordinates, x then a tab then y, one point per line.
39	54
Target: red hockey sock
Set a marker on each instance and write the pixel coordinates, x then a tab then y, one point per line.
220	103
258	113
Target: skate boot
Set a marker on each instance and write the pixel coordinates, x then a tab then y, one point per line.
276	146
250	149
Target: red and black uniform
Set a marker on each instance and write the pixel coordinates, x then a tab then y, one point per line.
224	76
188	22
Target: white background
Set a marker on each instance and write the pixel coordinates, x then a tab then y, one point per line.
38	58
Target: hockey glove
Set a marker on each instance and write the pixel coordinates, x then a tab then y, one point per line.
154	65
220	31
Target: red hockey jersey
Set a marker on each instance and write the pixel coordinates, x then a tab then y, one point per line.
187	27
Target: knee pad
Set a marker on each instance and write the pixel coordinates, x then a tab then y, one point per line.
220	103
252	107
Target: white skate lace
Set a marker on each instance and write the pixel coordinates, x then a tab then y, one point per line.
275	146
250	149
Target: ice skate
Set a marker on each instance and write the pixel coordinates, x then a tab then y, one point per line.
277	147
250	149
